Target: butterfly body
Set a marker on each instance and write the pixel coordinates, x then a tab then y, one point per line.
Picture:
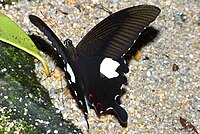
88	77
96	68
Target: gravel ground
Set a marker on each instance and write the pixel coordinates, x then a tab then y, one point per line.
156	96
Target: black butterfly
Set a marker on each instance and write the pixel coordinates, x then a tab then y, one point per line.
96	67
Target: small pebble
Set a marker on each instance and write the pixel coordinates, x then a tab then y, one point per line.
148	73
138	55
175	67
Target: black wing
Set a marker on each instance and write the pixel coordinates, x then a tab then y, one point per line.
61	50
113	36
56	43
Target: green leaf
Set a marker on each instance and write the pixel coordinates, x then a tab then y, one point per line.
12	34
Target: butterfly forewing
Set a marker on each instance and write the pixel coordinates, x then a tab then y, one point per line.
62	52
56	43
113	36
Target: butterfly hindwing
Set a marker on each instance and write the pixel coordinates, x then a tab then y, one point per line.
100	91
113	36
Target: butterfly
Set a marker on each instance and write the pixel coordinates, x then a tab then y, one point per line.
96	68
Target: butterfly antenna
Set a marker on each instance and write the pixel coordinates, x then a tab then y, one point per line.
62	92
100	6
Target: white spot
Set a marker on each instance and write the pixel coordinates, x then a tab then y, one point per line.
86	113
69	82
124	61
116	97
108	68
122	86
109	108
75	93
55	131
148	73
59	55
48	131
4	70
25	111
80	102
191	56
140	32
71	73
5	97
86	103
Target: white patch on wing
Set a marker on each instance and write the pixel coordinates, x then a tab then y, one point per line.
124	61
80	102
109	108
75	93
116	97
69	82
71	73
86	103
108	68
65	69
